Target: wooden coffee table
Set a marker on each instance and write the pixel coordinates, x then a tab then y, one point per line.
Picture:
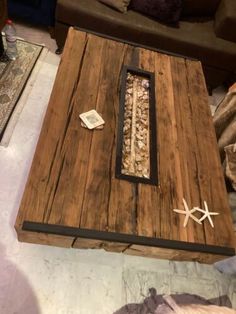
72	197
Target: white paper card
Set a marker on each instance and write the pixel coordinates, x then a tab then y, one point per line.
91	119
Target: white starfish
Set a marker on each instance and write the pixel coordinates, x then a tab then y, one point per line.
206	213
188	212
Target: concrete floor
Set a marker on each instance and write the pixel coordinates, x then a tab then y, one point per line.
37	279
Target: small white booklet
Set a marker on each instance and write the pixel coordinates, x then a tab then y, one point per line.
91	119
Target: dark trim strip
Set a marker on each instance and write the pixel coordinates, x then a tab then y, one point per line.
125	238
128	42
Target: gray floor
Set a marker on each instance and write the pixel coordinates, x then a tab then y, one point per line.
47	280
36	35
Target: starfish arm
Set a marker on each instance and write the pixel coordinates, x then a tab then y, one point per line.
203	217
207	215
189	213
186	220
200	210
195	219
210	220
179	211
206	207
185	205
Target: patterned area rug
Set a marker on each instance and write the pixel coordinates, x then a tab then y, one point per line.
13	77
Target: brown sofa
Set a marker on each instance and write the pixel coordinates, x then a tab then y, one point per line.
206	31
3	17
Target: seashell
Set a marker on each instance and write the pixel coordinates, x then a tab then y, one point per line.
138	157
145	83
126	130
139	137
140	144
128	120
145	122
139	112
139	167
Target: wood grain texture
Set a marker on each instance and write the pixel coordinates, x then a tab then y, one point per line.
187	143
209	175
170	179
45	239
46	168
122	198
98	184
81	243
72	179
148	211
170	254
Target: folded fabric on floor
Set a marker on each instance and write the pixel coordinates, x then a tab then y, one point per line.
151	303
171	307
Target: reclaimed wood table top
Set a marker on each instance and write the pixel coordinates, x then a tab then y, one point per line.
72	197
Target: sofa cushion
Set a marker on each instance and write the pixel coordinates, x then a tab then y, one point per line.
200	7
167	11
190	39
225	20
120	5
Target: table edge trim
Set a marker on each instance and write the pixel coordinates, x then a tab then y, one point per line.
126	238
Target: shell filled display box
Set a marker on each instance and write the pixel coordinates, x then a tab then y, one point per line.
147	178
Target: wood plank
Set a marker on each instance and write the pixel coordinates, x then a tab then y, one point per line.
44	238
170	179
210	175
148	211
177	255
123	194
95	208
41	184
187	141
68	200
82	243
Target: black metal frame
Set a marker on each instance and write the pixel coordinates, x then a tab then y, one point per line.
152	122
125	238
133	43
